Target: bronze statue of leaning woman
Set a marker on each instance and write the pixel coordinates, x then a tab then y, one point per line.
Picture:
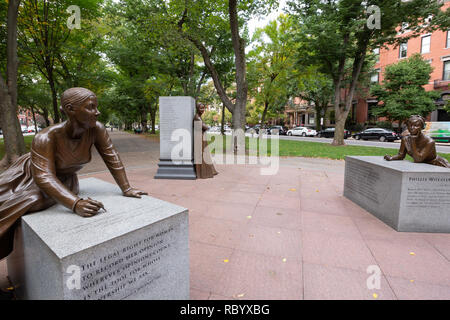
48	174
419	146
204	166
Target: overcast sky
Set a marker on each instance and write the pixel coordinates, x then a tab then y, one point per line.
258	23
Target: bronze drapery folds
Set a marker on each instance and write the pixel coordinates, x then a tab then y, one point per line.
47	174
419	146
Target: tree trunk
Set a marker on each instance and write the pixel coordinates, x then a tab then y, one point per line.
12	133
45	115
51	82
238	123
263	118
238	108
238	119
208	63
153	117
34	120
342	114
338	139
222	125
337	81
144	121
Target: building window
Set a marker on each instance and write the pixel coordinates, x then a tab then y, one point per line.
403	51
448	39
446	75
426	41
376	52
311	118
375	77
371	118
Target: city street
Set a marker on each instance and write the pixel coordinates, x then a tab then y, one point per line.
440	146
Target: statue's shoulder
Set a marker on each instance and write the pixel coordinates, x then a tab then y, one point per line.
99	127
48	134
429	140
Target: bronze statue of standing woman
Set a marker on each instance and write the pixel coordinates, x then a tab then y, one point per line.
204	166
419	146
48	174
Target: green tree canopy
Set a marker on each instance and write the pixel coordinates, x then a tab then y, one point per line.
401	94
338	33
270	65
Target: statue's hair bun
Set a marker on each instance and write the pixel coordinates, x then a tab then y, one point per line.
75	96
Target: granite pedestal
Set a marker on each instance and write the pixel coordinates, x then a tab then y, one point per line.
411	197
176	116
138	249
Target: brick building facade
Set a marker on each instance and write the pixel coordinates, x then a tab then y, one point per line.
435	48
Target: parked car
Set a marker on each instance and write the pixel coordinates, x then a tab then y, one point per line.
281	130
302	131
1	132
329	133
214	129
255	128
378	134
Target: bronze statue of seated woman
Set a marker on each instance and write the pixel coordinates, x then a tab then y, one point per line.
47	175
419	146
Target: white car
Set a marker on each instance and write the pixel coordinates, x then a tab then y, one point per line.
214	129
302	131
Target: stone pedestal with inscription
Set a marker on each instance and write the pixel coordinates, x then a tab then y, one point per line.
138	249
176	157
411	197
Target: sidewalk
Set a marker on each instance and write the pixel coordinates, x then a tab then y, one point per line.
292	236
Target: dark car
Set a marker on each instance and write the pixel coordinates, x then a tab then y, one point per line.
281	130
255	128
329	133
378	134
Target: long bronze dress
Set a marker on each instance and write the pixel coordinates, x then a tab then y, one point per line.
204	169
46	175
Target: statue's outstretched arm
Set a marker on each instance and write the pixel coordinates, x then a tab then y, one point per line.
112	160
111	157
401	152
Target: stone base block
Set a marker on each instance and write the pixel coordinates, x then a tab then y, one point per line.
138	249
167	169
411	197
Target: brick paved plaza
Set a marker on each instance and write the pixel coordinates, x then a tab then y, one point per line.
287	236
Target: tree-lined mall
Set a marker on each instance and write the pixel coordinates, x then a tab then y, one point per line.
234	133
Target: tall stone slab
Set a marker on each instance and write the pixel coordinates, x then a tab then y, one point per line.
138	249
410	197
176	159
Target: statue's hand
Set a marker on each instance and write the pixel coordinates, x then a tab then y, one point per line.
388	157
88	208
134	193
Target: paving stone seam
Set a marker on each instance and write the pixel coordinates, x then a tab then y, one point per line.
373	255
436	248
